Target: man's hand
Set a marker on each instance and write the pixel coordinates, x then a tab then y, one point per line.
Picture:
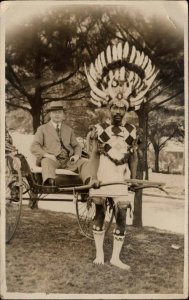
133	187
95	183
93	135
51	156
74	158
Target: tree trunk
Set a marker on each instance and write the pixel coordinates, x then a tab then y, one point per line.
36	121
137	214
146	148
156	151
36	109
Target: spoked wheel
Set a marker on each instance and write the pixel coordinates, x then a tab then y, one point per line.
13	183
31	196
86	210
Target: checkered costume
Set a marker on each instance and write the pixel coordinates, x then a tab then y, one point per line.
119	77
114	143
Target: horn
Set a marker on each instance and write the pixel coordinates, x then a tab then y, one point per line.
96	97
131	76
103	60
138	58
140	87
103	88
133	52
137	107
141	59
126	50
148	68
116	76
144	62
135	79
108	54
111	75
122	73
99	64
151	72
135	102
93	86
127	90
119	51
93	73
95	102
139	83
110	90
114	51
143	92
151	79
96	66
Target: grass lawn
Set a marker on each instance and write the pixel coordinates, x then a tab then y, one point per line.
48	254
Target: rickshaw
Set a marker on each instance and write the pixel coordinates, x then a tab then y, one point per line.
24	182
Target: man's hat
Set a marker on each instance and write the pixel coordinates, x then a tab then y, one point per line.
55	105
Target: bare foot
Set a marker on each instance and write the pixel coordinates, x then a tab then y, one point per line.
118	263
99	260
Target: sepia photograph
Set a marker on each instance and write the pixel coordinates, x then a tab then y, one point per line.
94	150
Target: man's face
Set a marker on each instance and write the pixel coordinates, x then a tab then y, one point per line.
57	116
117	114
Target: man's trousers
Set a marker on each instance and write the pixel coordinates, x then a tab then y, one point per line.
49	166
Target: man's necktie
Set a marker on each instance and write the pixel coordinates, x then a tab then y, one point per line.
58	130
59	136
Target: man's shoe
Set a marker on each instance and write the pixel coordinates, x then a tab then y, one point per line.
50	182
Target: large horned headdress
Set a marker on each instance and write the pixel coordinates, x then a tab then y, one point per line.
120	75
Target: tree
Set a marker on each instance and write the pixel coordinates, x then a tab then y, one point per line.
38	74
164	126
36	71
164	45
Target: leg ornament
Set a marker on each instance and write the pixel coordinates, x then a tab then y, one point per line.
98	233
119	234
117	245
99	241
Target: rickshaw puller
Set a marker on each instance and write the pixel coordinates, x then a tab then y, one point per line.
112	137
119	79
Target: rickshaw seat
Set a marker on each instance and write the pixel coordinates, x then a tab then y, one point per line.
22	142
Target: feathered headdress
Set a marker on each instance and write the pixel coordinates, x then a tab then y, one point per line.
120	75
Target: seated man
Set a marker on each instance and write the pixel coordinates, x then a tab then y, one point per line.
55	146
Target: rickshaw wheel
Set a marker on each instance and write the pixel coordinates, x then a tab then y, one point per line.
13	185
33	203
85	211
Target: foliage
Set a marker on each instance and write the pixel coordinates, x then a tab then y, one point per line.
37	72
45	60
165	124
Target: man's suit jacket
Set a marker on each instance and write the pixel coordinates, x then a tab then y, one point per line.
46	140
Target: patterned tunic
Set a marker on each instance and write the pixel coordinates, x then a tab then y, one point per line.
115	142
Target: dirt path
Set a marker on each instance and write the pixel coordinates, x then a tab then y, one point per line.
48	254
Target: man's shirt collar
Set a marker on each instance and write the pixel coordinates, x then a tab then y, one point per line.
55	124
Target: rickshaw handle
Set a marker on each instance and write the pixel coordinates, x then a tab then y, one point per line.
139	182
